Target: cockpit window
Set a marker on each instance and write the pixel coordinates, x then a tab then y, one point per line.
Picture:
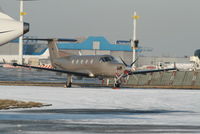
107	59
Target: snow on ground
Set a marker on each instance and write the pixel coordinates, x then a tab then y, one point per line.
105	98
180	107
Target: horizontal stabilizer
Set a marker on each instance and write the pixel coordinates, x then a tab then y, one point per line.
51	39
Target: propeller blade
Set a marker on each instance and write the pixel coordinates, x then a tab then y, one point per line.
133	62
123	62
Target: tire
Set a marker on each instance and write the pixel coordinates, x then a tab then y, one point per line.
117	84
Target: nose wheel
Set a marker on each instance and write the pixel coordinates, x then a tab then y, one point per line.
120	79
117	84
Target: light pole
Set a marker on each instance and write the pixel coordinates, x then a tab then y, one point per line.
22	13
20	60
134	41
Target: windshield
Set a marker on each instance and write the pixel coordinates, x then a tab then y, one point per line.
107	59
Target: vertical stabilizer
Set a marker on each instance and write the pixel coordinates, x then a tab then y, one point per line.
53	50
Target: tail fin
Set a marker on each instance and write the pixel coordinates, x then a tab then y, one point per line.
53	50
52	45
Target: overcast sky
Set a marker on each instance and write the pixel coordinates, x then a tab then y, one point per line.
170	27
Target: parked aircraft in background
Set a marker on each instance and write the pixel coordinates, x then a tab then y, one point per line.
10	29
92	66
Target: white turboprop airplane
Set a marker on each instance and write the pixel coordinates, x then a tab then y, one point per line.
92	66
10	29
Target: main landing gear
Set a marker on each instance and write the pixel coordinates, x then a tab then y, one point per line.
69	81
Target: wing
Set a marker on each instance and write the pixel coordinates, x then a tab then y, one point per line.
54	70
151	71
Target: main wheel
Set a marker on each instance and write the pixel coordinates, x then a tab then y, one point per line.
68	85
117	84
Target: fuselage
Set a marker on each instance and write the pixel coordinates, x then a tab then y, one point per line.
95	66
11	29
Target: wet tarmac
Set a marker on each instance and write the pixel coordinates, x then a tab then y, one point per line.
56	121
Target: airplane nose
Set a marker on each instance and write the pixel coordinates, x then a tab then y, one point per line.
26	27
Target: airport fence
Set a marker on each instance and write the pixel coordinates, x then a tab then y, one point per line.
165	79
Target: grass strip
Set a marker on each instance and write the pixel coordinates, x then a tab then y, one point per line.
12	104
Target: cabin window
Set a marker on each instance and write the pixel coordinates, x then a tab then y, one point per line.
107	59
81	61
86	61
72	61
91	62
77	61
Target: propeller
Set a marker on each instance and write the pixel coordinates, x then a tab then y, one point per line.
123	61
129	66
